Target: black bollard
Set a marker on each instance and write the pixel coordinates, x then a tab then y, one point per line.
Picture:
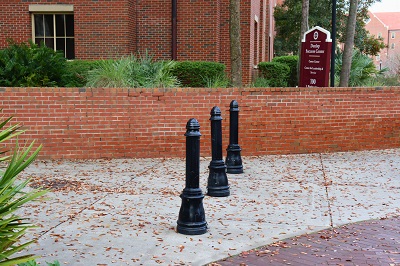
192	219
233	159
217	179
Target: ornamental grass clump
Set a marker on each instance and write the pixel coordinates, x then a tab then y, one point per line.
133	72
13	195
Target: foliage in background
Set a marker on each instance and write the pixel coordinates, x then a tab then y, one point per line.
276	73
34	263
291	61
76	72
287	16
30	65
13	196
132	71
260	83
218	81
197	73
363	71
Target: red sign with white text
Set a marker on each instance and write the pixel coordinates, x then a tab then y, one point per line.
315	58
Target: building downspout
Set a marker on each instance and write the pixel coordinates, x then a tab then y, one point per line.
174	31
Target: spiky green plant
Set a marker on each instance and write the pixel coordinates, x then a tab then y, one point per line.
261	83
132	71
109	74
217	81
13	196
363	72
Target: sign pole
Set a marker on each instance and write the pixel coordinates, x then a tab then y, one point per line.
333	52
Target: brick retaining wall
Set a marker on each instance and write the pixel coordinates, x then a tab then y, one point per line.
81	123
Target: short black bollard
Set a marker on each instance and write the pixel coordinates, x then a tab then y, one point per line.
217	179
233	158
192	219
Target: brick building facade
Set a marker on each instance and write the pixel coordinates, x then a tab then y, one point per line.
387	26
181	30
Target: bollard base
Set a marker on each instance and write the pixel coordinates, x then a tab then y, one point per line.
191	229
234	169
218	191
217	180
192	219
234	160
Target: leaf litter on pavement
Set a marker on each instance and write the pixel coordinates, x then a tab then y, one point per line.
124	211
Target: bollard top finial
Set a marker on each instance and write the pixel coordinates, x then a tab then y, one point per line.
234	106
192	128
215	113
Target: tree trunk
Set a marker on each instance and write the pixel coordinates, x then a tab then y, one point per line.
304	27
348	45
236	50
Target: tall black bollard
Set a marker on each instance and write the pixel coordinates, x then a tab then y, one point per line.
217	179
233	158
192	219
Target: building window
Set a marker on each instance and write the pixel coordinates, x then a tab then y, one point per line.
392	46
380	35
378	57
56	31
393	35
53	25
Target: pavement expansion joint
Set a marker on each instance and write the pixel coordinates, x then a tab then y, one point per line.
327	183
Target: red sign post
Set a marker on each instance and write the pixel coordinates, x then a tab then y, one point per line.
315	58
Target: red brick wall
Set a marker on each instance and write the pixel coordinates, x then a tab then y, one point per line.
103	29
154	28
115	28
95	123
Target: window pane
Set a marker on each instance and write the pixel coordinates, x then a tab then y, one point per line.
48	25
49	42
39	26
69	20
70	48
38	41
60	32
60	45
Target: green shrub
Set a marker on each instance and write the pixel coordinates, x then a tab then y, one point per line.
30	65
363	72
13	196
109	74
219	81
197	73
76	72
291	61
134	72
261	83
34	263
276	73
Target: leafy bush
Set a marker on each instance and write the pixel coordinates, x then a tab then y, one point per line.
34	263
261	83
291	61
219	81
276	73
134	72
30	65
76	72
12	197
197	73
363	72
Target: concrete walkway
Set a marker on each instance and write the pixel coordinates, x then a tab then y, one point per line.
124	211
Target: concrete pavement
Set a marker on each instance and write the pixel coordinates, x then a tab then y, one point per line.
124	211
